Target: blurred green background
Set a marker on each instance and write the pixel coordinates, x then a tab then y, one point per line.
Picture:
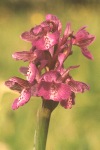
74	129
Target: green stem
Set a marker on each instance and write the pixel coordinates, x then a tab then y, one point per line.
43	119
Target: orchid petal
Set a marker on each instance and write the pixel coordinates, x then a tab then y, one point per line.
31	74
13	86
34	90
45	26
43	64
51	76
55	20
67	104
86	53
23	70
54	91
24	98
36	30
77	86
27	36
47	41
65	73
67	31
24	55
23	83
83	38
61	58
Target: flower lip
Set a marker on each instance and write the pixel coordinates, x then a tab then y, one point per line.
53	91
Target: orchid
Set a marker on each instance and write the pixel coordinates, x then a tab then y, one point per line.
84	39
49	51
46	75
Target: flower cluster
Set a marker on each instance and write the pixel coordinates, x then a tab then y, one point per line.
46	76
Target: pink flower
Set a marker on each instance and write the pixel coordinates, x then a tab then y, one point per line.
46	75
21	86
84	39
25	88
45	35
61	88
51	88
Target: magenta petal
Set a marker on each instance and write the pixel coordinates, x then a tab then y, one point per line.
55	20
43	90
67	104
54	91
40	44
61	58
51	76
83	38
59	92
16	83
50	17
47	41
24	98
31	74
77	86
24	55
86	53
71	68
21	82
43	64
23	70
51	51
13	86
34	90
36	30
14	105
45	26
27	36
66	72
67	30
